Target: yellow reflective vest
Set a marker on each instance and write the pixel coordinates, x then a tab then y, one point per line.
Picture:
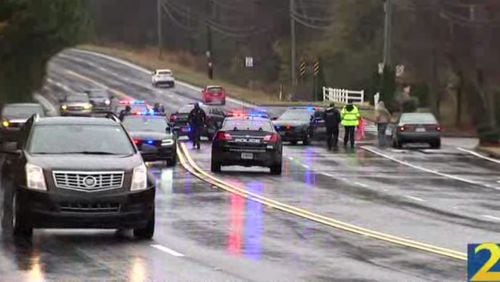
350	118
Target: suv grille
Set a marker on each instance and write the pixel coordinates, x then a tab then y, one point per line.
88	181
90	208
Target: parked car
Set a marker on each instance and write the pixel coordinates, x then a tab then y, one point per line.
77	104
213	94
100	99
180	123
417	128
162	77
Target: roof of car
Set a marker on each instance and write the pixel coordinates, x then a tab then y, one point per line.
214	86
248	118
23	105
166	70
75	121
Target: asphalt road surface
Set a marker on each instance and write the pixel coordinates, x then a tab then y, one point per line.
445	198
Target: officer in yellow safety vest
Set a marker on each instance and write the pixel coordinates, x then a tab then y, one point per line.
350	120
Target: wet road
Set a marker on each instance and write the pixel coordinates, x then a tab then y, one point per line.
446	198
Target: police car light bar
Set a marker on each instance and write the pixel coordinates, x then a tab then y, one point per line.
135	102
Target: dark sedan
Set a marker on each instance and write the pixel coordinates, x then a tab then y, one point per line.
179	120
14	116
153	137
296	125
417	128
247	141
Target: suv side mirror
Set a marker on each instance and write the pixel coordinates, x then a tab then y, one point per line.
11	148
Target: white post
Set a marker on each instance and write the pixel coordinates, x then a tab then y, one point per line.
362	96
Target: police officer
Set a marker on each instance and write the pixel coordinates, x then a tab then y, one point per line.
125	112
197	119
332	119
350	120
158	108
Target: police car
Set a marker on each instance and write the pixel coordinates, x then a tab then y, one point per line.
247	141
152	136
137	106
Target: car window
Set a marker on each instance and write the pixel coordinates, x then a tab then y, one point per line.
215	89
164	73
145	123
296	115
239	124
418	118
67	139
77	98
22	111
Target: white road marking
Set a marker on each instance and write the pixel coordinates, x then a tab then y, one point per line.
291	158
146	71
58	84
491	217
167	250
415	198
361	184
479	155
45	103
306	166
429	170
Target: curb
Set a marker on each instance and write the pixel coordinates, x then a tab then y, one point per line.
488	152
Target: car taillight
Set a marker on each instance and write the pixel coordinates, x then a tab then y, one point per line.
438	128
173	118
271	138
223	136
137	142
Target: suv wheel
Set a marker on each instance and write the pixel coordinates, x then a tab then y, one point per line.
19	227
307	140
276	169
215	166
148	231
172	162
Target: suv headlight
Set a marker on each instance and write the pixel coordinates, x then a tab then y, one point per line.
34	177
139	178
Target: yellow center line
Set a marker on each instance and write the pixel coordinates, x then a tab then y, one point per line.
188	163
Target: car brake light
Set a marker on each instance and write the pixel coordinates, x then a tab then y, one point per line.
173	118
137	142
271	138
223	136
438	128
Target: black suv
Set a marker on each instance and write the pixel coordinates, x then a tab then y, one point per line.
76	172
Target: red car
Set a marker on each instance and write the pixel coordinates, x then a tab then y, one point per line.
213	94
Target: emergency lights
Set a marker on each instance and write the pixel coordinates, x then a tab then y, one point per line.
134	102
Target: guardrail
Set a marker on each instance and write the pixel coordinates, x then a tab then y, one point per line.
343	95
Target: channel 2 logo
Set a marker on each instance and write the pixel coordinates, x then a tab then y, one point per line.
483	262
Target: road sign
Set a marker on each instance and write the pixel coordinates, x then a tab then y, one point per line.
400	70
249	62
302	68
316	67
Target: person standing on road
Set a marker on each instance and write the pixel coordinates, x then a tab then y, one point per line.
125	112
383	118
350	120
197	118
332	119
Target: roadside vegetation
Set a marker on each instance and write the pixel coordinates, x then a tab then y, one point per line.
31	32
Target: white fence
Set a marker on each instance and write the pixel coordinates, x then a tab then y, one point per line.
343	95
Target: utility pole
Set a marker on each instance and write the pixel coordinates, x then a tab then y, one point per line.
293	47
210	14
388	33
159	27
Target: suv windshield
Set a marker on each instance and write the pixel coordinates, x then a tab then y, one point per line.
79	139
241	124
22	111
296	115
144	123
